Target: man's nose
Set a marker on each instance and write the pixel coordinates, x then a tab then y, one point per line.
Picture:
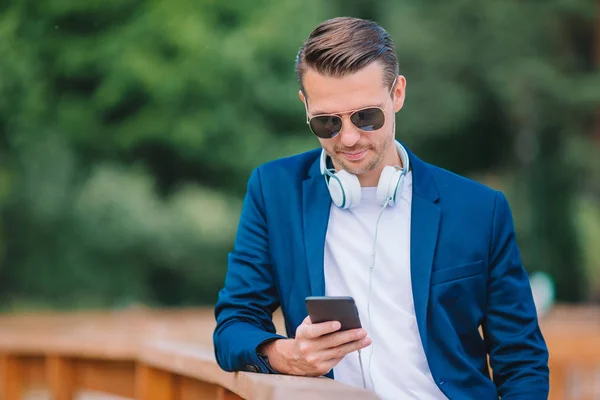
350	134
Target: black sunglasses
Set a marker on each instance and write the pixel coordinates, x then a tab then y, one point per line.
328	126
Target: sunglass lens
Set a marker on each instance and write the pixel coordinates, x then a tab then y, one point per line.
369	119
326	126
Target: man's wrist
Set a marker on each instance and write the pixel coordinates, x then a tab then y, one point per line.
274	354
264	357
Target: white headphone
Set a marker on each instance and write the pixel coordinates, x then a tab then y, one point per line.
345	189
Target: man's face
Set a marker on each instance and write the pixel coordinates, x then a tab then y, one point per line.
354	150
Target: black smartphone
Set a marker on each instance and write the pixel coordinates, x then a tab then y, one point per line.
333	308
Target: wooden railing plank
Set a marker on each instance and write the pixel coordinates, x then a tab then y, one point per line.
115	377
11	384
199	363
225	394
60	374
188	360
33	371
20	373
154	384
286	387
194	389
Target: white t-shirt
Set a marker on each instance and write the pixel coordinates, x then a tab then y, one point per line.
398	369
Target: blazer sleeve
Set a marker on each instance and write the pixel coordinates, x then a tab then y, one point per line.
245	305
518	352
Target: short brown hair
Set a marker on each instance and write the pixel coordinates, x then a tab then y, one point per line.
344	45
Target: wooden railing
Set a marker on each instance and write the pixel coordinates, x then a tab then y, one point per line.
146	355
167	355
573	338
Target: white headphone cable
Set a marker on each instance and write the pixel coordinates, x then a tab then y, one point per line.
362	370
373	253
371	268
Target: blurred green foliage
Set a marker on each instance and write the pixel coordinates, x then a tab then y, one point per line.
128	130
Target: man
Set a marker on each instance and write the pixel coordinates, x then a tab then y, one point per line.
429	257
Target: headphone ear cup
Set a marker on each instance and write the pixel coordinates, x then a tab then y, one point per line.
388	185
336	191
345	190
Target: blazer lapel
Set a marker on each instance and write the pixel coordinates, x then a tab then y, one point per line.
425	221
316	204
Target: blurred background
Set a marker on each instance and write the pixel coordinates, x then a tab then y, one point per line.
129	128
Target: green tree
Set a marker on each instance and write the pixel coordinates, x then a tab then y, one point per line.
128	129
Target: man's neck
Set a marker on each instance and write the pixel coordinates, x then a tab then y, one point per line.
371	178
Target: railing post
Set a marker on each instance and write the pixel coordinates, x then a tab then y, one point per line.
11	379
154	384
60	374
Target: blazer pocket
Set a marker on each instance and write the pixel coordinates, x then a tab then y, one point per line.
455	273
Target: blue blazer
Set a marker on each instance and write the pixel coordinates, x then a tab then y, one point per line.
466	273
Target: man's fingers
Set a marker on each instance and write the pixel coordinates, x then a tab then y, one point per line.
331	357
341	351
339	338
314	331
326	366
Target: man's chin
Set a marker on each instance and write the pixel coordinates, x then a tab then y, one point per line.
356	168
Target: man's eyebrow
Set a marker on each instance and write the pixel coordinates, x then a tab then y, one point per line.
320	112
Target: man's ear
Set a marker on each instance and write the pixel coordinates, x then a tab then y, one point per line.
304	101
399	93
301	95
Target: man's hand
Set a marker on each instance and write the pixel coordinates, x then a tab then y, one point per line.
316	349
